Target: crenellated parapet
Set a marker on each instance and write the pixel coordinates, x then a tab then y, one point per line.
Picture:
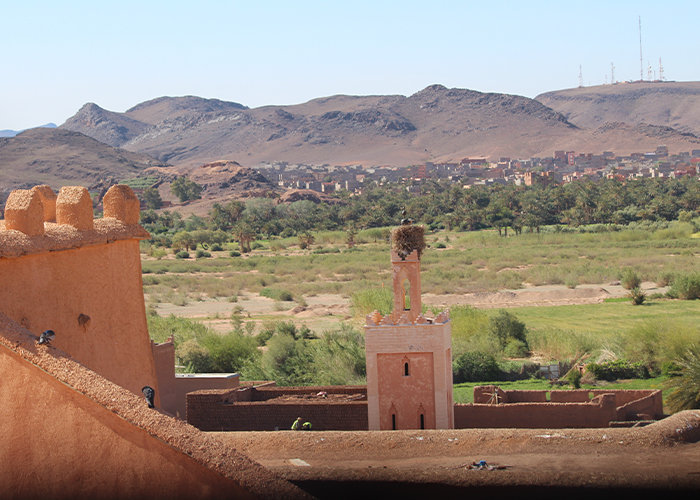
38	220
391	320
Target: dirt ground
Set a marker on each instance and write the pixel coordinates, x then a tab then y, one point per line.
324	311
551	463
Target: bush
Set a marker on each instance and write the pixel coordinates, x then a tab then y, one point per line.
516	349
506	327
202	254
686	287
630	279
182	254
234	253
277	294
475	366
664	279
230	353
216	247
620	368
574	378
195	357
638	296
439	244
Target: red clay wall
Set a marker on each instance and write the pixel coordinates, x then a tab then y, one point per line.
536	415
186	384
645	407
270	392
57	443
209	412
164	360
406	397
103	282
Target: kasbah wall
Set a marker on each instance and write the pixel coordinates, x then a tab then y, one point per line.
80	277
74	422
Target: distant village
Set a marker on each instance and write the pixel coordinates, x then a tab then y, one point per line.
563	167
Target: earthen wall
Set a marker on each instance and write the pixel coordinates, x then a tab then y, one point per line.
80	278
70	433
536	415
209	411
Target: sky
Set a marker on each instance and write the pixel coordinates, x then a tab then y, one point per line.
57	56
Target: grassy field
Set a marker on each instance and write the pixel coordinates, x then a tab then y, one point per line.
471	262
278	274
601	319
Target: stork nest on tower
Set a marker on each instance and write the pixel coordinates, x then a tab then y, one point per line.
407	238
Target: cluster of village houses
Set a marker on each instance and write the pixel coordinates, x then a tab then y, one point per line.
563	167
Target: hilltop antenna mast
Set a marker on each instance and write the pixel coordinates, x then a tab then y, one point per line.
661	70
641	61
612	73
580	76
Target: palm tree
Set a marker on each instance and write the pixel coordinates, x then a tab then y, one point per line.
685	394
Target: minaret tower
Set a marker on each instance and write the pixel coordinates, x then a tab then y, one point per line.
409	356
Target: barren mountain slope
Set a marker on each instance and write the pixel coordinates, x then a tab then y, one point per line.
168	108
435	124
105	126
60	157
670	104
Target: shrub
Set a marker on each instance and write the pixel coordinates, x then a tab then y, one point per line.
574	378
571	282
182	254
638	296
229	353
475	366
630	279
234	253
664	279
326	250
216	247
202	254
277	294
516	349
195	357
440	244
506	327
686	287
620	368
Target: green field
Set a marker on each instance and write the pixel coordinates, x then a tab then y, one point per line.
654	333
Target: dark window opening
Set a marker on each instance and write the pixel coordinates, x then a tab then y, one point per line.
405	369
393	421
422	421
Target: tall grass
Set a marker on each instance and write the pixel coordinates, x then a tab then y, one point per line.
364	302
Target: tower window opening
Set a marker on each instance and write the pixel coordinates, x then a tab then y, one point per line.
405	370
422	421
393	421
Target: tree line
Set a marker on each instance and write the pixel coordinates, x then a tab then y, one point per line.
443	204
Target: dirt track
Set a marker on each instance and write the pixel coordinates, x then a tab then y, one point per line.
662	456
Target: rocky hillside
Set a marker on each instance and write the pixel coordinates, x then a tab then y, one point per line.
668	104
435	124
60	157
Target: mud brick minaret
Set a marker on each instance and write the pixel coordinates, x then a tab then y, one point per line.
409	356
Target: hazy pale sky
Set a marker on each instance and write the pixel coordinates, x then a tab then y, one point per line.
56	56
